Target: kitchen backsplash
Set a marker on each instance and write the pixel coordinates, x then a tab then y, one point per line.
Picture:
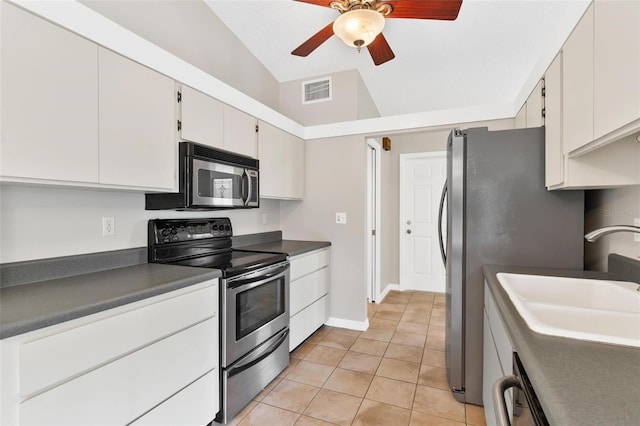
44	222
604	207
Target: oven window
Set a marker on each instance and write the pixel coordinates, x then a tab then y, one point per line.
259	305
215	184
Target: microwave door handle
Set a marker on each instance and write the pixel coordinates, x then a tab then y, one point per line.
440	213
499	401
249	189
245	188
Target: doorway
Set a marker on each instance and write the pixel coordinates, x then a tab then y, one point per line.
372	232
422	176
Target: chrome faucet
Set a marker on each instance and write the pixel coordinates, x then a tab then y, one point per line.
594	235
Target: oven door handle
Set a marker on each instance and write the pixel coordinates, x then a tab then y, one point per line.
260	353
263	277
499	402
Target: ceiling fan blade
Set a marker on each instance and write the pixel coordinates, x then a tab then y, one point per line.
425	9
380	50
316	40
324	3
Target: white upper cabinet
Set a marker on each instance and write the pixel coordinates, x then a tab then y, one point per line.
240	134
521	117
201	118
281	158
534	107
577	85
77	114
49	89
553	153
293	167
207	121
271	156
593	101
617	66
137	135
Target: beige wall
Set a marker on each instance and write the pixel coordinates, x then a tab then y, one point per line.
604	207
426	141
350	100
192	32
335	181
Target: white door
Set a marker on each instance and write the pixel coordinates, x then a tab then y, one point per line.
422	177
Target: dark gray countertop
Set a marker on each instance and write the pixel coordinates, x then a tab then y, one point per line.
290	247
577	382
28	307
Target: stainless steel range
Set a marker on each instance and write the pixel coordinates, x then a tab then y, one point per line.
254	303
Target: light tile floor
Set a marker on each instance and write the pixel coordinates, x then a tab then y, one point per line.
393	374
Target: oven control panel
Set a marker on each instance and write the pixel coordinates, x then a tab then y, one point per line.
179	230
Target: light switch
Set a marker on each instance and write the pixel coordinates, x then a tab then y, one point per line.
341	218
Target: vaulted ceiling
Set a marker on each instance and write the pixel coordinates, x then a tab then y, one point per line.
491	55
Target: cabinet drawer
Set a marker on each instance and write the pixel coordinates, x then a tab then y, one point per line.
195	405
53	359
124	389
307	263
305	322
308	289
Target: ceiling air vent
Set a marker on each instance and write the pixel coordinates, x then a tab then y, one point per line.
316	90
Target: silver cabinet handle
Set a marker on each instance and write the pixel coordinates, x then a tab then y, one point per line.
408	231
499	402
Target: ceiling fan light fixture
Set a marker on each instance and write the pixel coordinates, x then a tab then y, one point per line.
358	27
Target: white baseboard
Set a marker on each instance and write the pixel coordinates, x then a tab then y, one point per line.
350	324
386	291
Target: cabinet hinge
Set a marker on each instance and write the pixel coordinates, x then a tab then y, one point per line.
373	232
257	128
544	112
179	125
179	96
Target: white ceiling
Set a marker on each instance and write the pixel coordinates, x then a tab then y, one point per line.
492	54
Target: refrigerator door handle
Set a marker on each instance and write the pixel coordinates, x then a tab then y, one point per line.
440	212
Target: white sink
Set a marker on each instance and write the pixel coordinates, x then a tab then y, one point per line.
596	310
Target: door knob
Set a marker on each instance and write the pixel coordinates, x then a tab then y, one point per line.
408	231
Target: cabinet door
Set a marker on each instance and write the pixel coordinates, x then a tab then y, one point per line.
577	85
534	107
240	132
270	154
617	65
201	118
49	88
293	163
553	154
137	116
521	117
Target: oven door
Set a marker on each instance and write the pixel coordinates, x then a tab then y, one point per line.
255	307
219	185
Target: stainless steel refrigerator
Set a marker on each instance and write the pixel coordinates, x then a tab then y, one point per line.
498	212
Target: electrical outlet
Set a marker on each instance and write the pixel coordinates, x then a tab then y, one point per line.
636	236
108	226
265	218
341	218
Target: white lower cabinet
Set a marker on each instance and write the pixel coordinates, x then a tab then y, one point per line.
497	357
308	302
149	360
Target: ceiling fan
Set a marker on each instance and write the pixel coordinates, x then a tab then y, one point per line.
361	22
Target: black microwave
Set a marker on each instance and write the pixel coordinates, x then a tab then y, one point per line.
210	178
